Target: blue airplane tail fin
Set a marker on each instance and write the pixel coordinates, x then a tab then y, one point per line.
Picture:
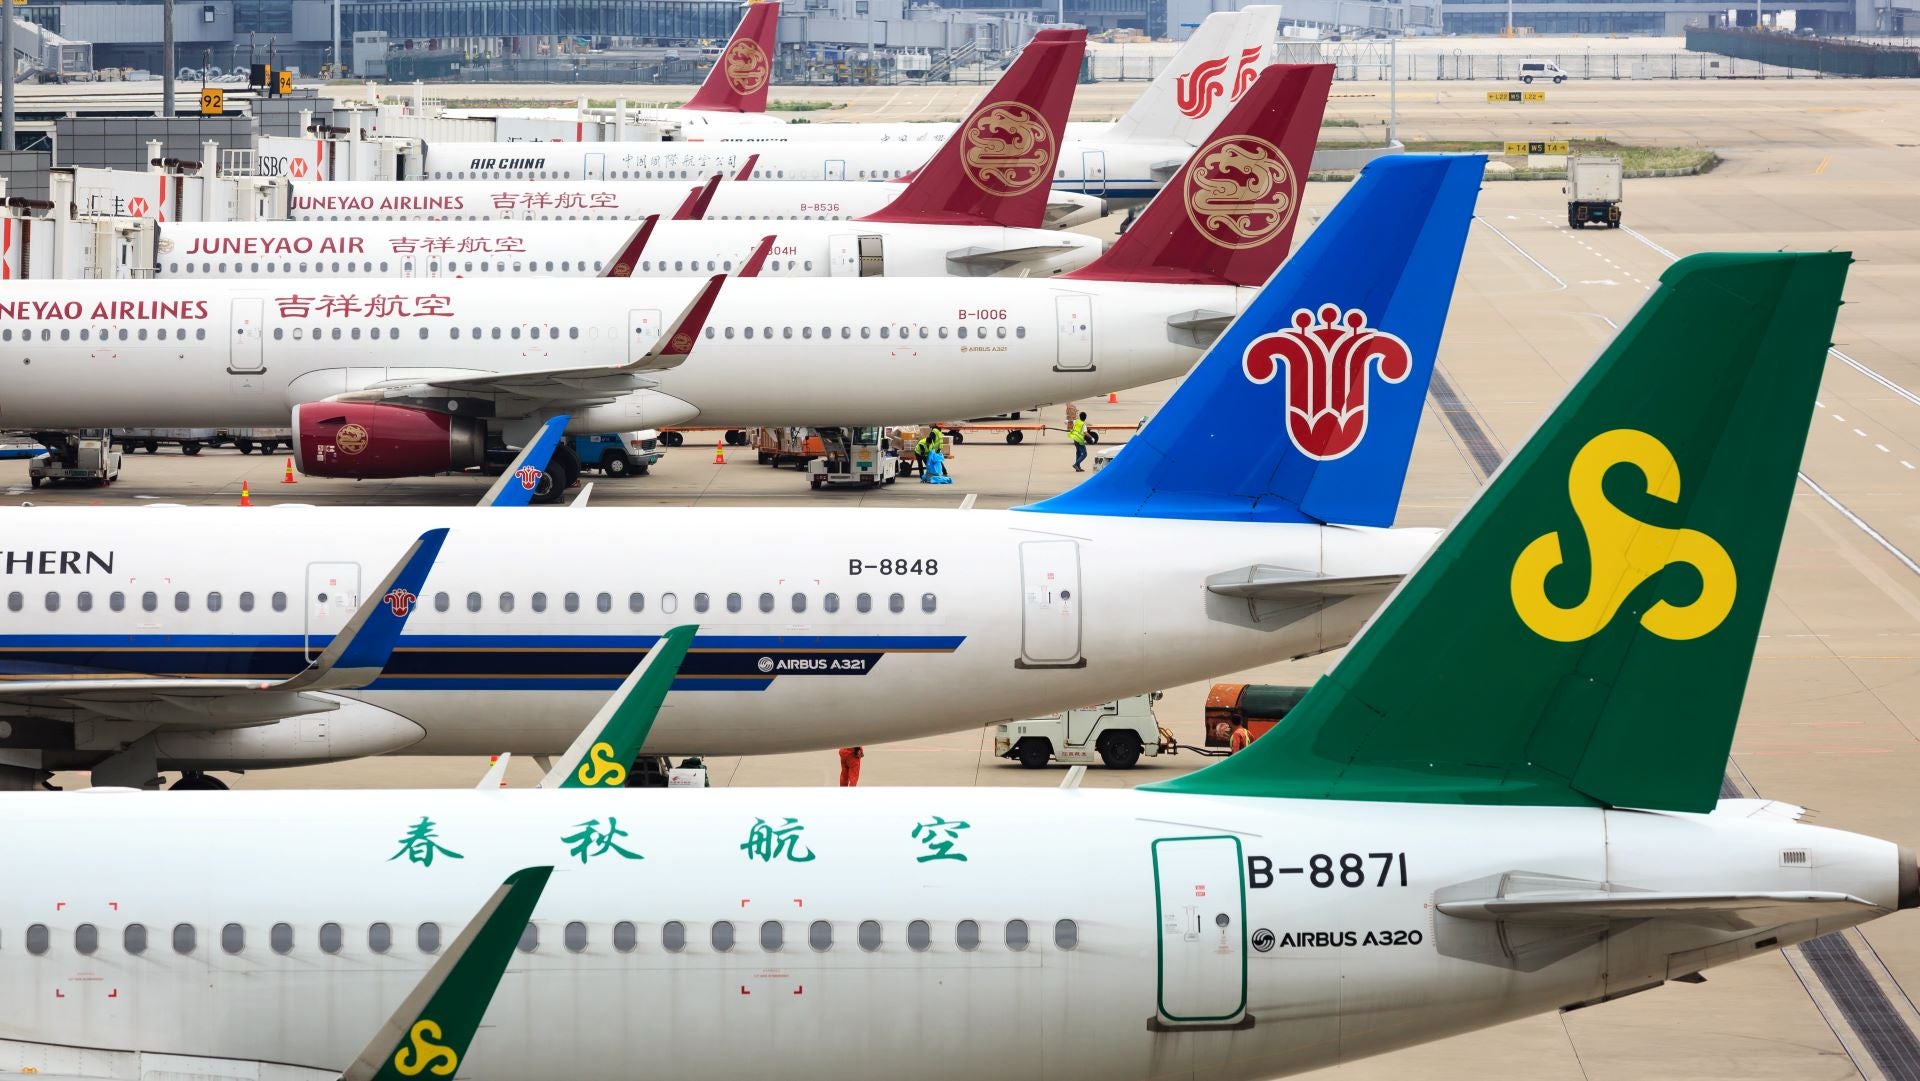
1305	408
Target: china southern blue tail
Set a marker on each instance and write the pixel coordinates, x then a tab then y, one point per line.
1305	408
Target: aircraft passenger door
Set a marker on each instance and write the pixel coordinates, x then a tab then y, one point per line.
1050	605
596	167
1201	905
844	262
1074	312
873	260
1093	168
333	592
643	329
835	169
246	352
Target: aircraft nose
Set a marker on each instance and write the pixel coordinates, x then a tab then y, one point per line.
1909	879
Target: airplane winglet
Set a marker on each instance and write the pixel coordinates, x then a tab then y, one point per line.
434	1026
698	199
671	350
496	775
757	259
360	650
609	743
628	256
746	167
516	486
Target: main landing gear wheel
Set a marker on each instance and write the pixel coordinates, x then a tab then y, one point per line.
195	781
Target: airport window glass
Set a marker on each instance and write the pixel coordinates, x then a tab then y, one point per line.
733	602
184	938
233	938
538	601
773	935
37	939
86	939
863	602
896	603
830	602
182	601
636	602
869	935
279	602
53	602
799	602
331	939
379	938
603	602
16	601
134	938
1066	934
571	602
529	938
214	602
117	601
428	938
442	602
919	936
673	936
966	935
722	936
699	602
506	601
280	938
246	602
820	935
928	602
766	602
1016	935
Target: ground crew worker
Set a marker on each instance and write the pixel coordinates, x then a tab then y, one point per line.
936	440
1078	433
850	765
1239	740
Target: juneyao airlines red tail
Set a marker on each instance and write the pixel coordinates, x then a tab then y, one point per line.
441	363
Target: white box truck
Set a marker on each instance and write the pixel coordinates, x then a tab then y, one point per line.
1593	192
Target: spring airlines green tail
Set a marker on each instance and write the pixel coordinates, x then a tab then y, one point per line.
1583	635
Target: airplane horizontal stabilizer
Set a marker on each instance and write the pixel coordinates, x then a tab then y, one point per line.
1281	583
1726	911
997	258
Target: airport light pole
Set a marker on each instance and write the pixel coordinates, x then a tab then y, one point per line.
166	58
6	83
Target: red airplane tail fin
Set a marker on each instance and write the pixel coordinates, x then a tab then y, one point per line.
998	166
1227	217
738	81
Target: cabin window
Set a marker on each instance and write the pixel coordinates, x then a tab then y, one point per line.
773	935
473	602
625	938
806	333
943	332
866	332
728	332
538	601
669	603
16	601
37	939
214	602
134	938
603	602
722	937
699	602
279	602
53	602
636	602
183	938
1019	332
799	602
919	936
896	603
733	602
863	603
830	602
442	602
428	938
673	936
820	935
246	602
1016	935
86	939
280	938
869	935
928	602
117	601
182	601
571	602
506	601
960	332
233	938
766	602
379	938
331	939
529	938
1066	934
966	935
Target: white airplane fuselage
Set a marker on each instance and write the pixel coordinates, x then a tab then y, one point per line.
944	934
790	352
598	200
818	628
466	249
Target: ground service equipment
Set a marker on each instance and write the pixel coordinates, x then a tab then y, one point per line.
1119	732
1259	706
1593	192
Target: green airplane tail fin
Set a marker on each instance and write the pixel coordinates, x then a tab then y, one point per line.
427	1037
1582	636
604	749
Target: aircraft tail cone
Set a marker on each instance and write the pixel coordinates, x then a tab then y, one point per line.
246	494
719	452
288	478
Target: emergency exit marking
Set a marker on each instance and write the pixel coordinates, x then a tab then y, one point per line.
213	101
1529	96
1517	149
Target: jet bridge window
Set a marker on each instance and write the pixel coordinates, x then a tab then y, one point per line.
184	938
134	939
1016	935
919	936
722	937
379	937
280	938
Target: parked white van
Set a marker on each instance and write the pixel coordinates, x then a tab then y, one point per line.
1541	69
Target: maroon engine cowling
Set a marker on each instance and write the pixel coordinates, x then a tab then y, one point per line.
369	440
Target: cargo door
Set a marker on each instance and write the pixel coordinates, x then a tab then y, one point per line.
1050	605
1202	908
333	592
834	169
1074	313
643	329
1093	172
873	260
595	167
844	261
247	351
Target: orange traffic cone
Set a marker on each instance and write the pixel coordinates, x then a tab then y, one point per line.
288	479
1113	398
246	495
719	452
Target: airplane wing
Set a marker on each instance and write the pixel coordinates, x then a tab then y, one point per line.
609	743
628	256
566	387
995	258
496	775
1727	911
355	658
698	200
516	486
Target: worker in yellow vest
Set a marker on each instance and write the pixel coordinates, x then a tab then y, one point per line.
1078	433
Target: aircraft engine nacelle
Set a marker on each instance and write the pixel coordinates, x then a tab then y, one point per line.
367	440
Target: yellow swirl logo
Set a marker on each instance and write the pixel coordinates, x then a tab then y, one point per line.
600	768
1623	551
422	1053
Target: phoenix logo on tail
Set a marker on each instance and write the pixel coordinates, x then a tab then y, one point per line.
745	66
1327	366
1007	149
1240	191
1197	90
